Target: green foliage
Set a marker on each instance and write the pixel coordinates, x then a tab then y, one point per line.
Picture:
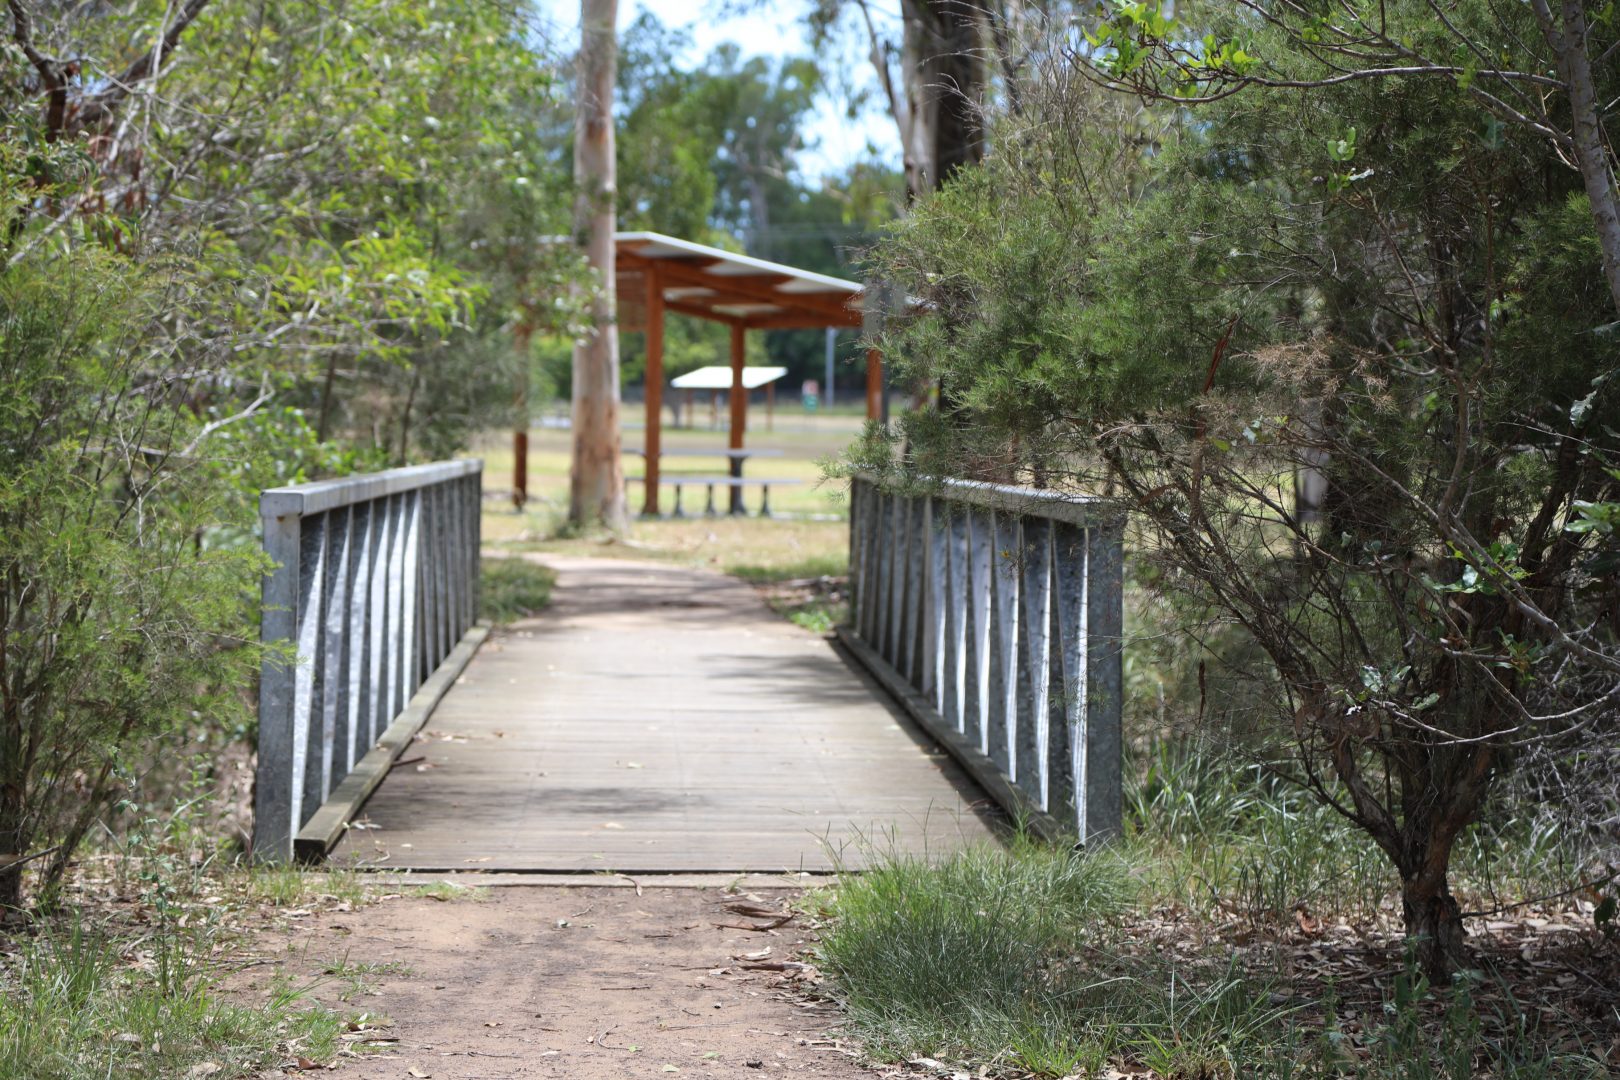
922	951
1363	282
122	615
358	187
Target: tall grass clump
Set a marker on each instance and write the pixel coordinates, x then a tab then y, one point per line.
930	956
78	1004
514	588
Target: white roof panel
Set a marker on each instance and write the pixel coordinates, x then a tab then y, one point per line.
718	377
651	245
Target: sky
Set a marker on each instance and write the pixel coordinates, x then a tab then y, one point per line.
771	28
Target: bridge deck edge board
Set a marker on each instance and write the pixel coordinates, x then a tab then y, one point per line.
327	825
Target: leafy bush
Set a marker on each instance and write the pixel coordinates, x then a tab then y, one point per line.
121	618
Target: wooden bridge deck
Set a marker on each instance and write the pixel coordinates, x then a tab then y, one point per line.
662	719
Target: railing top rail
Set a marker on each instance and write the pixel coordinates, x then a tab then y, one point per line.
1081	510
322	495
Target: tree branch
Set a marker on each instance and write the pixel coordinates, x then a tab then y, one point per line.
99	108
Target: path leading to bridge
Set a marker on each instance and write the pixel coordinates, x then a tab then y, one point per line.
662	719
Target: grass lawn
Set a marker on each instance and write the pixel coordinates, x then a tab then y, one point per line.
805	443
810	538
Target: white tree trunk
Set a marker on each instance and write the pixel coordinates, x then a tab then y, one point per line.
1567	33
596	477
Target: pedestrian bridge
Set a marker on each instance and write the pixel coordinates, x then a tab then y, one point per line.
657	718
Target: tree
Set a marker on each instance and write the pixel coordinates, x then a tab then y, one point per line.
596	475
1539	66
365	176
1377	273
228	224
934	79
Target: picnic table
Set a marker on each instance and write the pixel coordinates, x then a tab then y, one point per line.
734	480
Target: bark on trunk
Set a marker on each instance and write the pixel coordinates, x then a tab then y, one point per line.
1434	926
596	479
1568	36
943	63
11	852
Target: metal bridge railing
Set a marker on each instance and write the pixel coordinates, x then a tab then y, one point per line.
994	615
375	585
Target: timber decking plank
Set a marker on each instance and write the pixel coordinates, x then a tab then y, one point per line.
661	718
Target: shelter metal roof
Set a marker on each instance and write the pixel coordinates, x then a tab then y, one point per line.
718	377
712	283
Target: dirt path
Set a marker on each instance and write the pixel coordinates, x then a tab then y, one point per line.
579	982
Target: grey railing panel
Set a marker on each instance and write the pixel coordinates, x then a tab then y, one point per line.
997	612
375	581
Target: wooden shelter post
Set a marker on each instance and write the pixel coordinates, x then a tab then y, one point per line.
653	444
874	384
739	407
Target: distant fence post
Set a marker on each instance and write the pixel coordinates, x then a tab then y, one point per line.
994	615
375	582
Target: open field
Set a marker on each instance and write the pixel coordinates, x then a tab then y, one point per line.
810	539
806	442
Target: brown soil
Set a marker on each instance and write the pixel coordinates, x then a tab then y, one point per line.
578	982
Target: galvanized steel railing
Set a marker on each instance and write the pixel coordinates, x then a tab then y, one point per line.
994	614
375	583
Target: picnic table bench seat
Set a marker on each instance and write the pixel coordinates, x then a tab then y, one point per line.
710	481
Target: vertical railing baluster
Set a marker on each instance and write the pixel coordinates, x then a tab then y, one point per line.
856	486
1104	679
306	759
960	613
1005	565
475	547
1035	657
857	552
382	513
334	679
915	562
454	516
467	555
981	539
394	554
1071	556
895	549
933	630
879	581
359	721
410	575
429	579
441	578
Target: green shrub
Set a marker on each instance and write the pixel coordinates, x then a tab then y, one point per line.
123	617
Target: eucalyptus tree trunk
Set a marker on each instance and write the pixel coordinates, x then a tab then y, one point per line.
1567	30
944	54
596	477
